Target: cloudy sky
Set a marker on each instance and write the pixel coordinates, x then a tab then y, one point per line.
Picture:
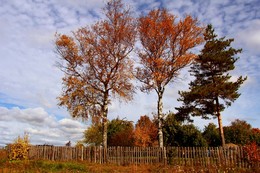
30	82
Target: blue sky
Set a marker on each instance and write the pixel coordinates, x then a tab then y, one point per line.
30	82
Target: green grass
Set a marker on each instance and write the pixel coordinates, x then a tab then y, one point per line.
58	166
42	166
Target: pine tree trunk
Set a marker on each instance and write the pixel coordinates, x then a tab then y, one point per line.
220	125
221	131
160	118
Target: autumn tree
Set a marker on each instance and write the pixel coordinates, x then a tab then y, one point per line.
120	133
165	49
212	88
145	133
96	63
239	132
255	135
93	135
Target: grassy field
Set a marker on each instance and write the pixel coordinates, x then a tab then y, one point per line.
40	166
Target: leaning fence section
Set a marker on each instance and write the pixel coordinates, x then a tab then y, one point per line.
183	156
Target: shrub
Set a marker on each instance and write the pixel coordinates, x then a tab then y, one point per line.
253	154
19	149
3	154
171	154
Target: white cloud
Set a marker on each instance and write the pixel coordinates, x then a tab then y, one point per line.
41	126
250	37
69	123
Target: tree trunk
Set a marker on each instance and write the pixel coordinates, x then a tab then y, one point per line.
104	124
104	119
221	131
220	125
160	117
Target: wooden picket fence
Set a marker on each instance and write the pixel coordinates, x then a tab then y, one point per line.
182	156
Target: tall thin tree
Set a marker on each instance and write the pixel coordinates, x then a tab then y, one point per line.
165	49
96	64
212	88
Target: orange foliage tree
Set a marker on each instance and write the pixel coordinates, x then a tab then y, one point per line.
165	50
96	64
145	133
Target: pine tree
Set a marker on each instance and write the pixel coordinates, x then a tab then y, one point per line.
212	90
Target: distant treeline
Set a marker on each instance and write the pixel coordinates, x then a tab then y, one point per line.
176	133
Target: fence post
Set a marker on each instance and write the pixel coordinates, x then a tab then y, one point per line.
52	149
82	152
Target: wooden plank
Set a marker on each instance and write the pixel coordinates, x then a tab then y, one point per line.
198	156
217	156
189	156
133	155
206	155
82	153
203	156
211	155
236	156
227	156
231	157
240	157
186	152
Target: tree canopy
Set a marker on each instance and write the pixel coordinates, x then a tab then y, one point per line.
211	135
176	133
146	132
241	133
119	133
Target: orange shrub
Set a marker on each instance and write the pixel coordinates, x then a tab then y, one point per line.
19	149
253	153
3	154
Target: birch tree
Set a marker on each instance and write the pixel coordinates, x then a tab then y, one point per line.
96	64
165	50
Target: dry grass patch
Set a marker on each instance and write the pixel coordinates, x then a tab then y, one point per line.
40	166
